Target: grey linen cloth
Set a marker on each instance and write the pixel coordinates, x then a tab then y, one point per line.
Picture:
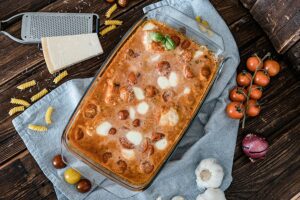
212	133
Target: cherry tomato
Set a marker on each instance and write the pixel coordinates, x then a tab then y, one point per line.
253	62
256	92
252	108
272	67
262	78
235	110
71	176
238	94
244	78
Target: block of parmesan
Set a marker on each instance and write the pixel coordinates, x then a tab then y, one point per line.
63	51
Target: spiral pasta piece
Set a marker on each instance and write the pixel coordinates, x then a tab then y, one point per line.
107	29
60	76
38	128
16	109
113	22
48	115
39	95
19	102
28	84
112	9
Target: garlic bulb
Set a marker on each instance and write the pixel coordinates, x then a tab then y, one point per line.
209	174
212	194
177	198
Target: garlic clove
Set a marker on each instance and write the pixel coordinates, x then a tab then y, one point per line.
178	198
209	174
212	194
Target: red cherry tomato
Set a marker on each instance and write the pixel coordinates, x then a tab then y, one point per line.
244	78
272	67
238	94
262	78
256	92
253	62
252	108
235	110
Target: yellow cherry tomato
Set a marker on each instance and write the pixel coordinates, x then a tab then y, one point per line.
71	176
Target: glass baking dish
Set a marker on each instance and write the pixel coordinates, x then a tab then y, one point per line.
174	20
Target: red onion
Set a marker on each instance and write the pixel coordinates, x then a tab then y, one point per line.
255	147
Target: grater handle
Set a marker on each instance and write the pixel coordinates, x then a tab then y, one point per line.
9	35
97	22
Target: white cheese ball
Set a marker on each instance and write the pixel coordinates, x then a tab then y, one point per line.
212	194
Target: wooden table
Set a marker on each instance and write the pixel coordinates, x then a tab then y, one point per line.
276	177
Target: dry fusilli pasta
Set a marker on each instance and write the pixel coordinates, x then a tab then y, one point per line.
107	29
19	102
39	95
111	10
60	76
28	84
37	127
113	22
16	109
48	115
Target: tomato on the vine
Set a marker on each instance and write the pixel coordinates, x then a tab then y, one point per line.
272	67
253	63
256	92
262	78
235	110
238	94
244	78
252	108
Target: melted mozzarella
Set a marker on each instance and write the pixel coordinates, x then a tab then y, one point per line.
128	154
198	54
170	118
155	58
161	144
131	113
163	82
173	79
134	137
149	26
147	41
186	90
142	108
139	93
103	128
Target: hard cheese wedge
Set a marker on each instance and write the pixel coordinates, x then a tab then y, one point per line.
63	51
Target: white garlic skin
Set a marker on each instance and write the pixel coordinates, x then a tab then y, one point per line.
212	194
214	172
178	198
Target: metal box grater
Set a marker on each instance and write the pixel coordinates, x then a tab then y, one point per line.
36	25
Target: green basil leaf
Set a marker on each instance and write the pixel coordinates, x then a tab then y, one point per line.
157	37
169	43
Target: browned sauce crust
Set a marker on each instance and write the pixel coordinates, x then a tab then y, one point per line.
137	110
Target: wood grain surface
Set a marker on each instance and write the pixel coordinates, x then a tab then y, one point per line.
276	177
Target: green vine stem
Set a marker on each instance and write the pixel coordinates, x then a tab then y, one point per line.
251	83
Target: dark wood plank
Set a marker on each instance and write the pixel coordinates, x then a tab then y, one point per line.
250	178
16	7
23	179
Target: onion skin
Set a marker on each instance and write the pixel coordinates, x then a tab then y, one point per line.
254	146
